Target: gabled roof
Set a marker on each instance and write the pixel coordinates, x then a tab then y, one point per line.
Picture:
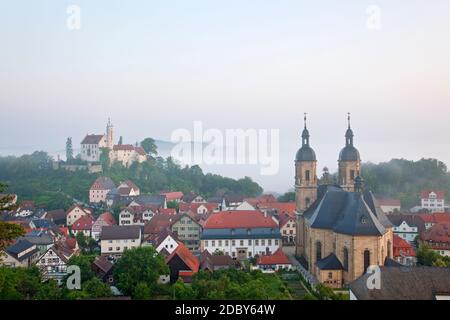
402	245
186	256
131	185
280	207
103	263
265	198
189	197
331	262
123	147
437	233
284	218
278	257
85	210
103	183
19	247
168	211
424	194
434	217
239	219
83	223
413	220
56	216
210	206
107	217
158	223
210	261
170	196
92	139
389	202
405	283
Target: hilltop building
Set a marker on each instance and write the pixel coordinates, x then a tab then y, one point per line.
341	229
93	143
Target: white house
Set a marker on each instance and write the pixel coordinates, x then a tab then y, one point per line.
432	200
74	213
115	240
93	143
99	190
240	234
274	262
244	206
135	215
127	154
53	265
105	219
20	254
405	231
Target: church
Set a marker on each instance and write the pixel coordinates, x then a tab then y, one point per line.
341	229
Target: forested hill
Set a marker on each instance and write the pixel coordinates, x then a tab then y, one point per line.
403	179
32	177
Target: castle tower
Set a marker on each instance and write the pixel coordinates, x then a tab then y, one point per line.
305	186
349	162
109	134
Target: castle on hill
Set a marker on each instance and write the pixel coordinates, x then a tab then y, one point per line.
94	144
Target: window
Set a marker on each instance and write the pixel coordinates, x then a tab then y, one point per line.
318	251
233	242
352	174
257	242
345	259
366	260
226	242
307	175
276	242
206	243
213	243
249	254
110	249
263	242
241	242
117	248
330	275
269	242
249	242
307	202
220	243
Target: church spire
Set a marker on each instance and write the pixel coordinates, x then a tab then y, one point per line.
305	134
349	133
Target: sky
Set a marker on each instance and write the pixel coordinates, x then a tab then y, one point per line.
157	66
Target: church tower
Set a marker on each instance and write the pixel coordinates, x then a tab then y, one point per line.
109	135
305	173
349	162
305	186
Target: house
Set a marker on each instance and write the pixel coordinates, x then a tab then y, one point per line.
240	234
157	201
167	211
41	239
432	200
273	262
127	154
265	198
389	205
74	213
431	219
199	208
405	283
193	198
99	190
83	225
407	226
182	264
438	238
403	252
188	231
277	208
41	224
164	240
58	216
211	262
244	206
105	219
157	224
136	215
92	144
114	240
53	264
25	209
20	254
103	269
288	227
176	196
128	188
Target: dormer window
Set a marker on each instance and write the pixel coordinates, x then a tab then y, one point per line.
363	220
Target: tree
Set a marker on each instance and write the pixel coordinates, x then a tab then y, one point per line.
287	197
120	141
69	149
104	158
5	200
149	146
142	292
173	204
95	288
9	232
181	291
139	265
84	262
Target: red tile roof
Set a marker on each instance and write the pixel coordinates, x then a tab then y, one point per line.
158	223
239	219
266	198
402	247
168	211
210	206
107	217
170	196
184	254
103	183
123	147
439	233
434	217
82	223
426	193
288	207
279	257
131	184
284	218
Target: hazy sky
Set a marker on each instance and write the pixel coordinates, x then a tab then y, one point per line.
155	66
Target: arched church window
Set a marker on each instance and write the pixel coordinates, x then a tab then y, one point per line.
345	259
352	174
366	260
307	175
307	202
389	249
318	250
